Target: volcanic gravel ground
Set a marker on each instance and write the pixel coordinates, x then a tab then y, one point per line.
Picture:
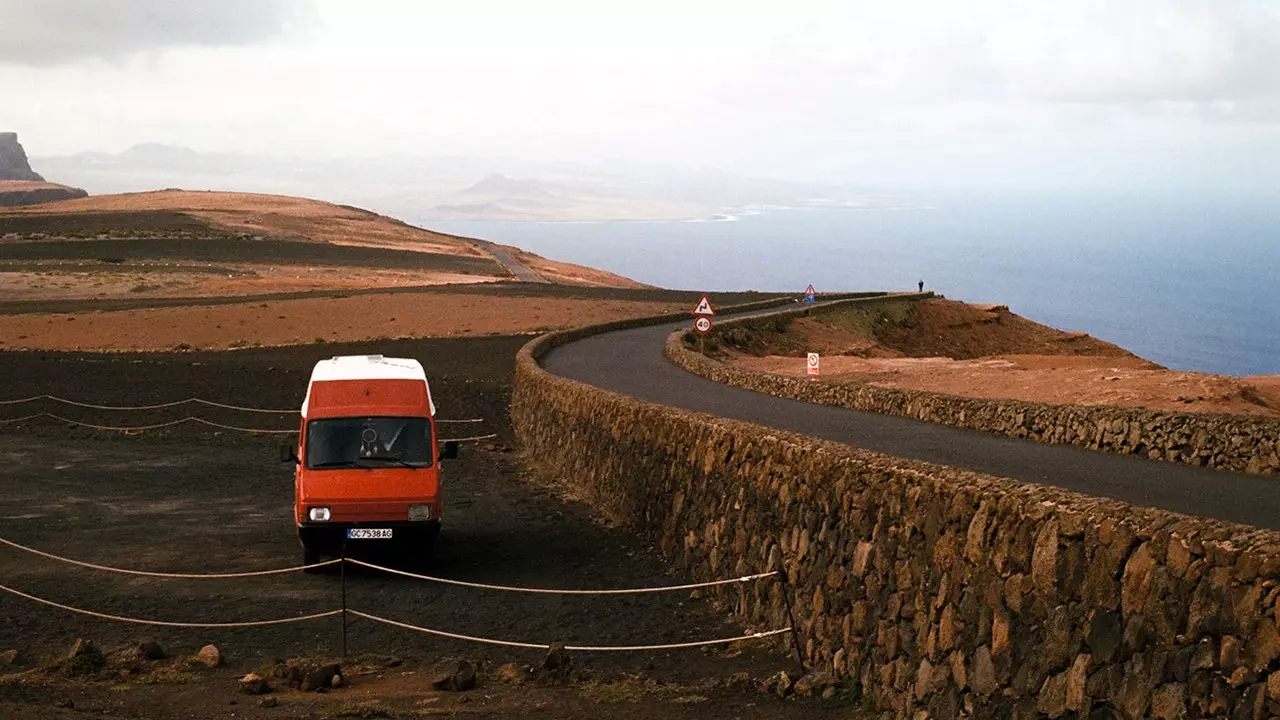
502	289
195	500
114	251
92	224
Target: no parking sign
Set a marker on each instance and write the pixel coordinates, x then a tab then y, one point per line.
813	363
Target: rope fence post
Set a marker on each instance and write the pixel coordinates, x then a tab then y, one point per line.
791	619
342	574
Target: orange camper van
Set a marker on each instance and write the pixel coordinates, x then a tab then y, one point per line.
368	470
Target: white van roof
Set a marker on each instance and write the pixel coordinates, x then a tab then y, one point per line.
367	367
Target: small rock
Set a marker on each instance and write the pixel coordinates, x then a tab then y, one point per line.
738	679
810	683
151	650
335	681
511	673
779	684
557	666
460	679
209	656
84	658
829	693
8	657
64	703
268	702
254	684
318	678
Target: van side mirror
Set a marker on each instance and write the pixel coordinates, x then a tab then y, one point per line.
450	450
288	454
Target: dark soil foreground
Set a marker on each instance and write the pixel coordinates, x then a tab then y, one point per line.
193	499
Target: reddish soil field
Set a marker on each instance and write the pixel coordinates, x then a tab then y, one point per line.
333	319
985	351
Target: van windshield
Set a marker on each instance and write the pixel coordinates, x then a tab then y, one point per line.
368	442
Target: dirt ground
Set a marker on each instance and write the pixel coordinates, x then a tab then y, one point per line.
278	216
185	214
985	351
197	499
338	318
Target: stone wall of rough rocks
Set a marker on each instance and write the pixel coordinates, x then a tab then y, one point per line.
929	588
1228	442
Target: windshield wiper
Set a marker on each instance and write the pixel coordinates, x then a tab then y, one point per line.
340	464
391	458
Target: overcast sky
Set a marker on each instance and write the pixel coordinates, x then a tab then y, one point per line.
1089	93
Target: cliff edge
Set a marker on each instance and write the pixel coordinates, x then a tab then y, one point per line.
19	184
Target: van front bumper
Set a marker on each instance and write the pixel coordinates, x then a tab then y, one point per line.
330	538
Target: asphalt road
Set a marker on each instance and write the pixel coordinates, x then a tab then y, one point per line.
632	362
522	272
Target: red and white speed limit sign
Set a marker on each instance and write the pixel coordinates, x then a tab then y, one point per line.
702	324
813	363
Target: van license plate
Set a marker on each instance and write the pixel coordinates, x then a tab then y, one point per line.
369	533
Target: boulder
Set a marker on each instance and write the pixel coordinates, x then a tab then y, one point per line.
8	657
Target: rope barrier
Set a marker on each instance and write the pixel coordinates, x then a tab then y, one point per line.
155	426
572	648
447	581
201	421
473	438
556	591
146	573
175	403
165	623
157	406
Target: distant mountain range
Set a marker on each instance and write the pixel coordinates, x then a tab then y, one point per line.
447	188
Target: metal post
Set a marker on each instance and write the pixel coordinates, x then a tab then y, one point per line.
343	574
791	619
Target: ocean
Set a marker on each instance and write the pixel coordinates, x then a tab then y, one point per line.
1190	282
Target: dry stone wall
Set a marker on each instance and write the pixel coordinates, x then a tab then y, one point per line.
929	588
1227	442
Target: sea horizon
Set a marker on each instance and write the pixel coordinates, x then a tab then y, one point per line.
1183	281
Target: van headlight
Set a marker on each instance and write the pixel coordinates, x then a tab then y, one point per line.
319	514
419	512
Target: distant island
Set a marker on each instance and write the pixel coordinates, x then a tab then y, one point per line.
432	188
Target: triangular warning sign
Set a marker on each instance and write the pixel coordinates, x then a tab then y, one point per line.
810	291
704	307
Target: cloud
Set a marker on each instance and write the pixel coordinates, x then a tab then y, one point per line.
55	32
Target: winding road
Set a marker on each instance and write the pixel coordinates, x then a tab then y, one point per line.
632	362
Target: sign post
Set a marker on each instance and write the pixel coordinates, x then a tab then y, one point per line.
813	362
703	312
810	295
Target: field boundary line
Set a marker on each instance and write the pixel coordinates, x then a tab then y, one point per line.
178	576
571	648
556	591
167	623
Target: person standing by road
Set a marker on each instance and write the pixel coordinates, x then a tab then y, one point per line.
921	283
